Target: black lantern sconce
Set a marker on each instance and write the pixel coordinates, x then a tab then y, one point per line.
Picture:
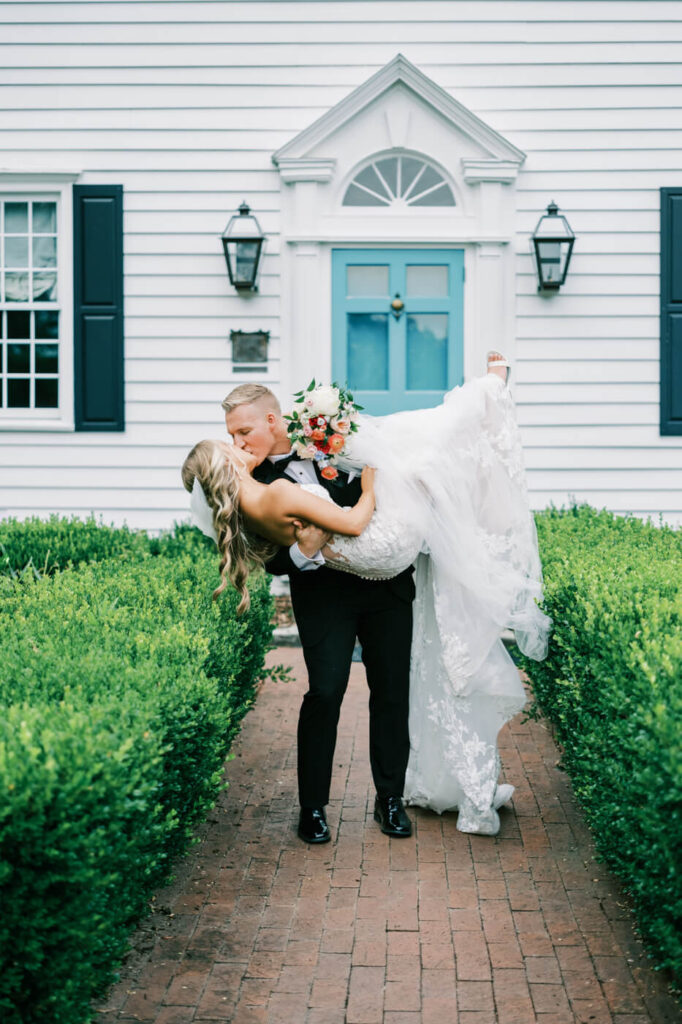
553	242
243	246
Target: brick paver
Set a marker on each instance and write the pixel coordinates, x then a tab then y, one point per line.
258	928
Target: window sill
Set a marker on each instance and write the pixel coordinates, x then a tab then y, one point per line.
48	426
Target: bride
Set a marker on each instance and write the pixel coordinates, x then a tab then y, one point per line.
449	495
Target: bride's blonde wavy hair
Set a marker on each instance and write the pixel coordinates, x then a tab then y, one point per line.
240	550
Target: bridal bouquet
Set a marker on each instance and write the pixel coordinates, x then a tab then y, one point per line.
321	421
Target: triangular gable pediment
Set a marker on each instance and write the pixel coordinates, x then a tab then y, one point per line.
495	150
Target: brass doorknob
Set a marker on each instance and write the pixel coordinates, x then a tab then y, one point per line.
397	305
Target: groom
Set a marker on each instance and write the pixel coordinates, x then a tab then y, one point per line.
332	608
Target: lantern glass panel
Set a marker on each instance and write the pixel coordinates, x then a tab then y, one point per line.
243	262
245	226
553	227
551	260
246	258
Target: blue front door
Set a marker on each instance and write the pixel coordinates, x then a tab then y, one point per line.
397	325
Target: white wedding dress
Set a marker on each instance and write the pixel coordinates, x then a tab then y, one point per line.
451	497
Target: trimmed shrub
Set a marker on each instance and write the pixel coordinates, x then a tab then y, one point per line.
82	835
612	687
122	686
45	545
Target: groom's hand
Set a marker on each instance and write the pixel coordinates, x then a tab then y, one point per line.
310	538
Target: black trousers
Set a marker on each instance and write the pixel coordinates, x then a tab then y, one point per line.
381	619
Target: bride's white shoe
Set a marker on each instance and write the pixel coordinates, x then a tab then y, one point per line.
494	358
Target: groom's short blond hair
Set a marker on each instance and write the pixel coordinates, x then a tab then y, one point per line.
246	394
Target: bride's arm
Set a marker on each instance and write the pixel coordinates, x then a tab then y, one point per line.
292	502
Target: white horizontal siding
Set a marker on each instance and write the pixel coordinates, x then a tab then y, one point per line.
579	459
611	434
168	430
183	103
340	11
639	502
589	413
90	457
281	33
235	100
348	74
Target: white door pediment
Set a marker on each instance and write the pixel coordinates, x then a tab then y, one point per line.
399	108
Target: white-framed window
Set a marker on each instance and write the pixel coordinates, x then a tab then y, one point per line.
36	303
399	181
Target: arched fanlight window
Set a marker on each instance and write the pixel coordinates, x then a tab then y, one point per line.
399	181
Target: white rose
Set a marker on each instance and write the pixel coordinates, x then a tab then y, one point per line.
326	400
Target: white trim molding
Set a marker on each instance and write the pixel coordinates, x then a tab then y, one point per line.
294	169
41	184
35	177
503	171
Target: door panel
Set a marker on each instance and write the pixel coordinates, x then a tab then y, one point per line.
427	352
368	352
404	356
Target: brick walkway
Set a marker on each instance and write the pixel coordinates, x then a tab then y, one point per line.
440	929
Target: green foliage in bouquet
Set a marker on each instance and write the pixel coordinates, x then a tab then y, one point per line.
612	686
122	686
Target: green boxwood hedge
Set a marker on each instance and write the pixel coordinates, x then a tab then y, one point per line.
44	545
121	688
612	687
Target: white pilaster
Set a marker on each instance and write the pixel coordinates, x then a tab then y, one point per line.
491	305
308	356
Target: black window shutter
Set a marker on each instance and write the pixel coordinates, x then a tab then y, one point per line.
98	306
671	311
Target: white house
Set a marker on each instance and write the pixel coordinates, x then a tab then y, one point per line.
398	157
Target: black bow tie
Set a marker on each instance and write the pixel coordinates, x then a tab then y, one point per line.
269	471
283	463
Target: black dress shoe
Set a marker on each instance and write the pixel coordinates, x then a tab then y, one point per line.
312	825
390	813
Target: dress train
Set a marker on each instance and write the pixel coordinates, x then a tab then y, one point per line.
451	495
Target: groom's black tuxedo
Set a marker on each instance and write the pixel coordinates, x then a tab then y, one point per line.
332	608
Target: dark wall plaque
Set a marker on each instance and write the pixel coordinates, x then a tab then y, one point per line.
249	350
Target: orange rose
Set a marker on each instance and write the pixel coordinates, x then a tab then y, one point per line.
329	473
318	435
336	443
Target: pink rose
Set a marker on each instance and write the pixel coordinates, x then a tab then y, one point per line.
341	426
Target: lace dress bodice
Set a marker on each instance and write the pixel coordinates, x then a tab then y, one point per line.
385	548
